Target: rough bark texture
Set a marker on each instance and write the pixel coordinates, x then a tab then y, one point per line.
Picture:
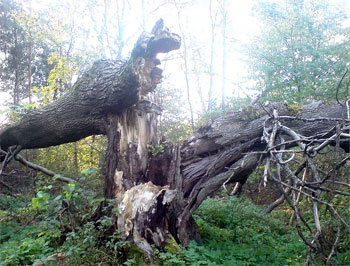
225	151
110	99
109	87
157	193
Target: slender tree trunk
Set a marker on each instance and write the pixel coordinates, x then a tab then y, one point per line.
16	97
188	89
212	53
224	53
30	51
75	158
30	72
120	19
186	70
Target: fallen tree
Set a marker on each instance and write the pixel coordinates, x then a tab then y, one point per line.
158	193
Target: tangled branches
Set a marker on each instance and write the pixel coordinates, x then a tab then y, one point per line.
313	176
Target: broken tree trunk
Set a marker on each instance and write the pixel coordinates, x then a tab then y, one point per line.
157	192
109	87
110	99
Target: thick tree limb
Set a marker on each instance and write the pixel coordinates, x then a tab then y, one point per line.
107	88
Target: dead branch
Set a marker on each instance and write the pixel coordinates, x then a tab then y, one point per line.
338	86
314	182
44	170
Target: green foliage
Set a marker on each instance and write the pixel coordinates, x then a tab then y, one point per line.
257	239
21	239
24	54
57	220
89	244
174	124
156	149
72	158
294	108
40	200
302	50
232	104
24	250
234	232
330	225
135	256
176	129
59	78
18	111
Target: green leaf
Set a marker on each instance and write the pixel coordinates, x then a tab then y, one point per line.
35	203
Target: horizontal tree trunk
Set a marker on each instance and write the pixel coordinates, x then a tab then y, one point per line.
109	87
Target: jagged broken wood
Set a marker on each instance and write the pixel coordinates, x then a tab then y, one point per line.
109	87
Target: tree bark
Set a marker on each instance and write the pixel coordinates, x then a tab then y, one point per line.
109	87
157	185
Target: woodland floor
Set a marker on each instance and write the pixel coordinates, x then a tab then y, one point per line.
233	230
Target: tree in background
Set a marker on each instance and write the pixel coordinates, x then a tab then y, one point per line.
302	51
12	37
24	61
61	29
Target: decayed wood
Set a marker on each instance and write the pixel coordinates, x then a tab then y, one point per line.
143	214
142	183
109	99
108	87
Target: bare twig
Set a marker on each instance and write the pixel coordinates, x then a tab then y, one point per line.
338	87
298	196
334	245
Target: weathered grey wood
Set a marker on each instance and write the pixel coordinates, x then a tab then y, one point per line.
224	150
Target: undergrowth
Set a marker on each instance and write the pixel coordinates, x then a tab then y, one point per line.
56	220
234	232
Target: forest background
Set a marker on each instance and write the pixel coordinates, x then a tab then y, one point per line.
293	51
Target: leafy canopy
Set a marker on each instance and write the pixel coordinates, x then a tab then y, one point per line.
302	51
